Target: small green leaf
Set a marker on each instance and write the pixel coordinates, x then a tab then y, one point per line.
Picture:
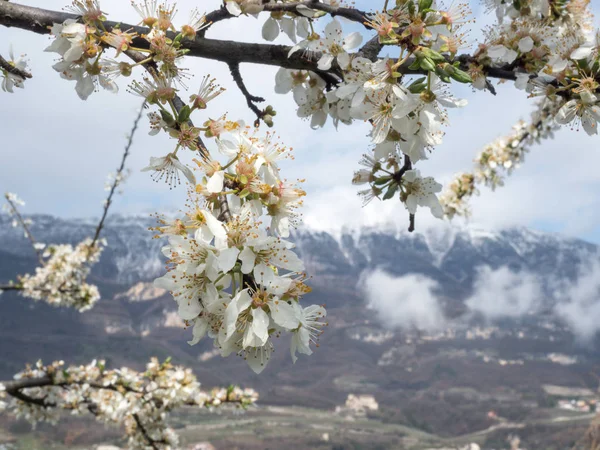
167	117
184	114
391	191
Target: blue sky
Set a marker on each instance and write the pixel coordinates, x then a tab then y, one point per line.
59	149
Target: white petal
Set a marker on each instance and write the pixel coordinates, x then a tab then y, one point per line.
343	60
581	53
497	51
288	26
189	308
248	258
233	8
227	258
270	29
325	62
187	172
284	314
215	226
260	325
526	44
352	41
567	113
215	183
258	358
84	87
411	204
199	330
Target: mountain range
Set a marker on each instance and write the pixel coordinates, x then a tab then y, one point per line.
444	379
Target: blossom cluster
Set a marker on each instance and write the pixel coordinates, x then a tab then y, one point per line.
139	401
13	201
234	278
556	53
406	113
499	158
61	280
82	46
12	80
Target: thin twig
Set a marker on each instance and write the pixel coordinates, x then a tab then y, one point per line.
234	68
11	287
117	179
4	64
398	179
25	228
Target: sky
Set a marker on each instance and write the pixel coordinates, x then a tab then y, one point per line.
58	150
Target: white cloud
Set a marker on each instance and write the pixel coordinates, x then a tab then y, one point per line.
413	301
404	302
580	304
502	293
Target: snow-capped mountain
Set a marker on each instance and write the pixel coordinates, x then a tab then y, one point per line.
449	255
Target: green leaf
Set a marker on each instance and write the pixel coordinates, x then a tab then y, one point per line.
425	4
433	55
386	40
415	65
391	191
382	180
461	76
184	114
427	64
417	88
167	117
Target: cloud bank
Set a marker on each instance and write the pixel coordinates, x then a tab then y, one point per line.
503	293
579	307
413	301
404	302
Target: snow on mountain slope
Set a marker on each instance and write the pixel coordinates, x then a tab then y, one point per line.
448	254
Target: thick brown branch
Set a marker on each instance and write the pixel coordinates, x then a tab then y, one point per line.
4	64
371	49
39	20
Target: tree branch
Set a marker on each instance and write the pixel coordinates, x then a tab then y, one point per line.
4	64
250	99
150	441
25	228
13	388
40	20
398	178
118	175
11	287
